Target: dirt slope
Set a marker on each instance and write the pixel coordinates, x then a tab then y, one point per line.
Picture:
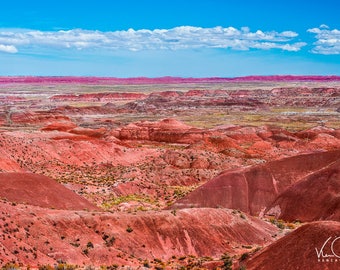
298	249
34	235
316	197
40	190
254	188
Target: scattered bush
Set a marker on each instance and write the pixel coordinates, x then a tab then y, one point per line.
86	251
146	264
279	223
227	262
10	266
110	242
46	267
244	256
64	266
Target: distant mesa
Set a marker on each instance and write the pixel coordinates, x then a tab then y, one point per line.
91	97
59	126
70	127
39	190
166	130
94	133
31	117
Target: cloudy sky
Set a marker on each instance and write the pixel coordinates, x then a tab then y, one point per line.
153	38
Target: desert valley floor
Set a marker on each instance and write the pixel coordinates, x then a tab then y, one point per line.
170	173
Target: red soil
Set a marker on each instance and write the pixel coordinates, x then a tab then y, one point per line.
94	133
51	235
59	126
315	197
298	249
40	190
253	189
41	117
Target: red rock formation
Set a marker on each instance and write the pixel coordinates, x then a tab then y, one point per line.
105	109
314	197
37	118
60	126
167	130
94	133
40	190
97	238
103	97
312	133
299	249
8	99
253	189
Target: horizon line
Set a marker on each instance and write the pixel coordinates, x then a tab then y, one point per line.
163	79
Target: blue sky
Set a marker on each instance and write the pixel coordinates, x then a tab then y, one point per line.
169	38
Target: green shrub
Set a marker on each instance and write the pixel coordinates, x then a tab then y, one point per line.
244	256
46	267
10	266
227	262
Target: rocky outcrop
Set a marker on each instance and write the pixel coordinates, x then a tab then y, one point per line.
38	118
59	126
167	130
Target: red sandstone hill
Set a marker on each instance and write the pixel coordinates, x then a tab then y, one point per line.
40	190
34	235
141	161
167	130
39	117
254	188
298	249
315	197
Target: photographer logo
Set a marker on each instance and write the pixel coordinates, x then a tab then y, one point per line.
329	251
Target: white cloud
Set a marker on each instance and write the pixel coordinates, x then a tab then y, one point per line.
8	48
324	26
181	37
328	41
